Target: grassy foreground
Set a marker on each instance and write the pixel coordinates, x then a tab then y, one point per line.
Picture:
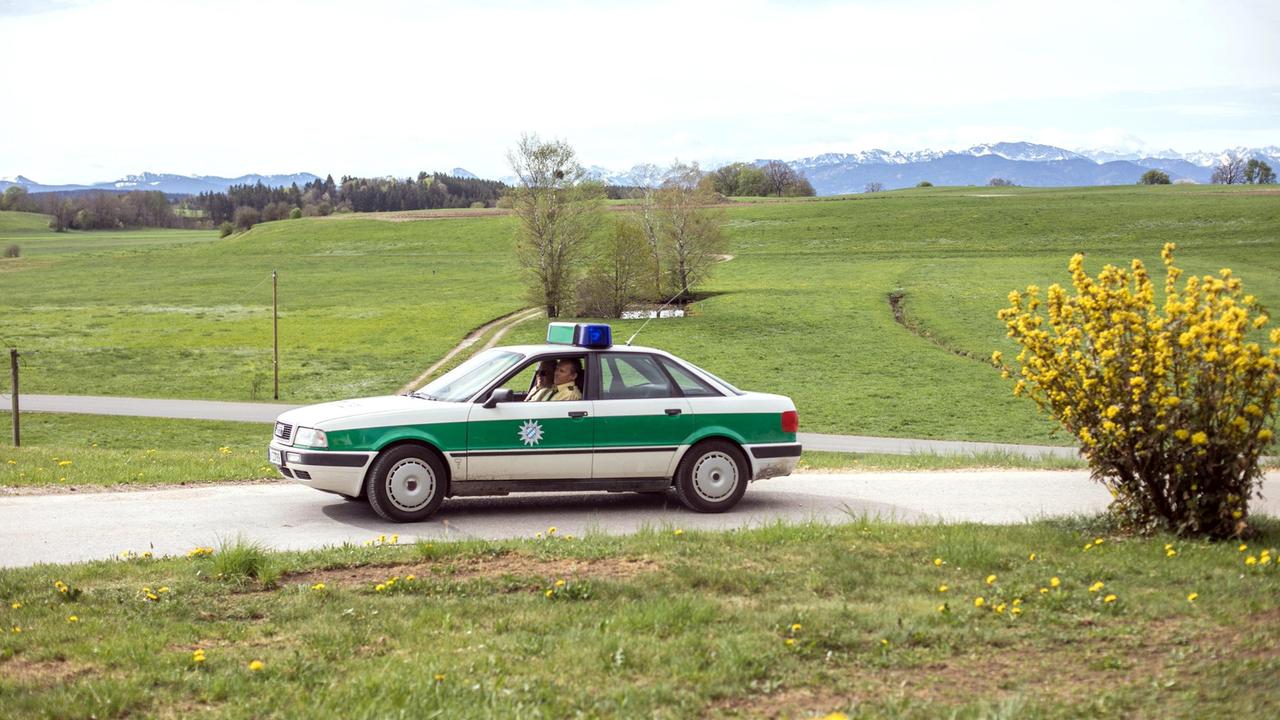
1053	619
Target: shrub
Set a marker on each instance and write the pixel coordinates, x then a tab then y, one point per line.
295	213
225	229
924	184
478	204
1154	177
1172	405
12	251
246	217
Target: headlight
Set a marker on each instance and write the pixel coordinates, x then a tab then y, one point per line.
310	437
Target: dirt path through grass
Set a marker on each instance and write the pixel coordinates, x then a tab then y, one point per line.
502	325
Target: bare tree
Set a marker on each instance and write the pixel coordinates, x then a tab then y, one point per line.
873	187
779	177
1228	172
692	234
556	208
649	177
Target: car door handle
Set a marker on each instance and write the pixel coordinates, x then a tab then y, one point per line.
674	411
578	414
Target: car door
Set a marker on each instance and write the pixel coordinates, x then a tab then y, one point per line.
641	417
530	440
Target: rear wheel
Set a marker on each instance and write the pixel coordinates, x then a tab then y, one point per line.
712	477
406	484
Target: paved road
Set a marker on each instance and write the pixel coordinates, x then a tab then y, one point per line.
87	526
267	412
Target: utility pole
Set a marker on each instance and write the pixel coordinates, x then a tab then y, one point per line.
275	336
13	364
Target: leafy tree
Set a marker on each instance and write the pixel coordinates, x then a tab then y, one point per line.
999	182
16	198
1173	403
614	278
692	234
1228	172
924	184
556	209
1154	177
1258	171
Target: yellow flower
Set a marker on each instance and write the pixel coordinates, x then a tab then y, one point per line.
1236	514
1096	586
1016	611
1031	557
1251	560
73	619
1200	438
1181	434
1054	581
1242	547
1192	597
549	593
16	629
439	677
197	656
318	587
991	579
1265	435
884	642
64	463
1097	541
410	578
677	532
795	627
16	606
1171	553
256	665
379	587
790	641
551	530
943	588
943	608
979	601
937	562
1109	599
997	357
559	583
1044	591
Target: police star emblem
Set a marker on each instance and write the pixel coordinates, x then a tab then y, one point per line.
530	433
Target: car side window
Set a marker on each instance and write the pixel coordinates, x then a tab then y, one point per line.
631	376
528	377
690	384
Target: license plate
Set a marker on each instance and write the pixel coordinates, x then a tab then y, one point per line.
275	456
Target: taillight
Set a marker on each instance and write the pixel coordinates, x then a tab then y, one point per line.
790	421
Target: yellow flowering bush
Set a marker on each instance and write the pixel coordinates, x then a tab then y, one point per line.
1172	405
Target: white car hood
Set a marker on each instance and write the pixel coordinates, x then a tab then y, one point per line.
334	415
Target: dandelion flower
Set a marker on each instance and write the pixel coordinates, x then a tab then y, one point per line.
560	583
551	530
1171	553
410	578
1109	599
73	619
884	642
991	579
1097	541
999	609
318	587
677	532
16	606
943	608
979	601
795	627
379	587
790	642
1200	438
549	593
256	665
1054	581
1016	611
1251	560
1031	557
1096	586
1192	597
1044	591
395	539
943	588
937	562
197	656
439	677
1242	547
1017	602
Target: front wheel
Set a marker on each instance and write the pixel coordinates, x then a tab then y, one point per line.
712	477
406	484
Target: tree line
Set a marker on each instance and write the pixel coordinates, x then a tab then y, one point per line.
98	210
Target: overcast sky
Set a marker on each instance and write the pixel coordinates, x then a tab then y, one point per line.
100	88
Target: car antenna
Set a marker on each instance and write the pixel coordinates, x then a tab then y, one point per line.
659	312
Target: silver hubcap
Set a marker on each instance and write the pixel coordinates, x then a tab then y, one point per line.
715	476
411	484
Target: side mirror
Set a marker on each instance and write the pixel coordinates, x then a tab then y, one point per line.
500	395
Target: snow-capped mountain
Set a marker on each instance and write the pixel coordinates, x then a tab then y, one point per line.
165	182
464	173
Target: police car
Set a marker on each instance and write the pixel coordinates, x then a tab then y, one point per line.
629	419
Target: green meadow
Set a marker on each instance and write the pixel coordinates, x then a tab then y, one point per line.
802	308
1054	619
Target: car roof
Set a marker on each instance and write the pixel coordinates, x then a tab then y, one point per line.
570	349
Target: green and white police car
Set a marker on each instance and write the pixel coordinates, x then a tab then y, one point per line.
635	419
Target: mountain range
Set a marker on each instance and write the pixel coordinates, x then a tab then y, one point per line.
1021	163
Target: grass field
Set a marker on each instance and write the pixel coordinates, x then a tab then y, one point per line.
802	309
869	619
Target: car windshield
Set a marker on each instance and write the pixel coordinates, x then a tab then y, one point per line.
464	381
